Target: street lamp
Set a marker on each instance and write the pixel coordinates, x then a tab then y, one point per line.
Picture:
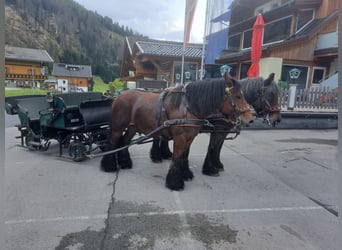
225	69
294	74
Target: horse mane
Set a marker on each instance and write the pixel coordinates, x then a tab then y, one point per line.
206	96
203	97
251	87
254	87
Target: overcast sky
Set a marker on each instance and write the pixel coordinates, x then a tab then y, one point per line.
157	19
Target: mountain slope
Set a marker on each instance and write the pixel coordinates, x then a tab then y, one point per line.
69	32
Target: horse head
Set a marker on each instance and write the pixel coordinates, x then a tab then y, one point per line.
271	101
235	103
267	102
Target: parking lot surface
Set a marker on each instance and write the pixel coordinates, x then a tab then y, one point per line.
278	191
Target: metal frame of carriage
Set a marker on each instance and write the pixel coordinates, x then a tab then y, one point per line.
79	122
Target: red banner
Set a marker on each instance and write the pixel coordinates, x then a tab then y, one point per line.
189	17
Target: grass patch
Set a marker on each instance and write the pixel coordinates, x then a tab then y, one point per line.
23	91
99	85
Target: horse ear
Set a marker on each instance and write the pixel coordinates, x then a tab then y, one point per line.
229	80
269	80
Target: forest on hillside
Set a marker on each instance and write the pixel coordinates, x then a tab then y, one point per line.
68	32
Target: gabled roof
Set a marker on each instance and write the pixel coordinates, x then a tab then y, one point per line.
169	49
71	70
27	54
153	47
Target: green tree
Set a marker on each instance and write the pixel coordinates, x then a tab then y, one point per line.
116	85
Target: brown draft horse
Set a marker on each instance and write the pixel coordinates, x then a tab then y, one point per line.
262	94
137	111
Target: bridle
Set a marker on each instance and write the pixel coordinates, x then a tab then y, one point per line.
238	110
267	107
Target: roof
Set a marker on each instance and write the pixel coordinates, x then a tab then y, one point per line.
169	49
71	70
27	54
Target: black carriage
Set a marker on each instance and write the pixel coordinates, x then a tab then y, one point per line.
79	122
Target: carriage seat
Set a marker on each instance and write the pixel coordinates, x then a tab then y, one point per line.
68	107
29	109
73	100
11	103
96	113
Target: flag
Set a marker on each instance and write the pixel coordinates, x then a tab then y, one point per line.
189	17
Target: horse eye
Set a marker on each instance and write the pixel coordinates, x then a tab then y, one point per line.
238	97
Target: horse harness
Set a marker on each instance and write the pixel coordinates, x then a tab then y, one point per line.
161	112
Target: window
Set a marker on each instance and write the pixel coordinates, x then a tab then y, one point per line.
301	81
277	30
304	17
190	71
244	69
318	75
234	41
267	6
30	72
247	39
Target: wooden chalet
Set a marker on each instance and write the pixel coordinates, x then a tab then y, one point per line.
72	78
157	64
298	34
26	67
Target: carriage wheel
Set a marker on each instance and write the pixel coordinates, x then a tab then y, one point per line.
102	142
77	151
30	139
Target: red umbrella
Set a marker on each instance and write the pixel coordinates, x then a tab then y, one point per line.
258	29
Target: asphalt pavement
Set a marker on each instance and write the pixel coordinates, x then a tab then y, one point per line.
278	191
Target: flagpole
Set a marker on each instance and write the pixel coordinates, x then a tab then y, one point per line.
183	59
206	25
184	42
190	6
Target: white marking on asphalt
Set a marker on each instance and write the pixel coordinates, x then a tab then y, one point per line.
186	233
180	212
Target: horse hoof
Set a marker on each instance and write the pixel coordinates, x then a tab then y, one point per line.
156	160
167	156
126	166
175	187
108	163
124	159
211	172
220	167
187	175
174	180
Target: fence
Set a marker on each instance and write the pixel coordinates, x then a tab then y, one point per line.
313	99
